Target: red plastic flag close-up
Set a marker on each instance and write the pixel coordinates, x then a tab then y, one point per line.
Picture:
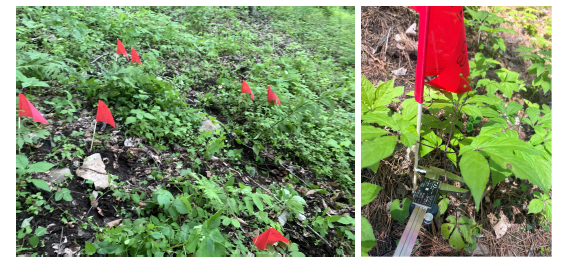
272	97
246	89
442	50
25	108
135	56
104	115
121	49
269	237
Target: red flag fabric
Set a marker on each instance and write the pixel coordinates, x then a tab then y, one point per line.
442	50
272	97
269	237
104	115
135	56
246	89
121	49
25	108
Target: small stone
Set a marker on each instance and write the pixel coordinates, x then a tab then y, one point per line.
400	72
207	125
58	175
411	30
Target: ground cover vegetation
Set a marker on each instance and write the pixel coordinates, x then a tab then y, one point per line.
490	147
194	167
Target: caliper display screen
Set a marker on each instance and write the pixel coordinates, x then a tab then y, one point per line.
427	192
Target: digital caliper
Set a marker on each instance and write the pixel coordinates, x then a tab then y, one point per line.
423	209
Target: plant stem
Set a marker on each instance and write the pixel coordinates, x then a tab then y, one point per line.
449	138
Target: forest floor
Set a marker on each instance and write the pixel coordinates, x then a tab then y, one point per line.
507	229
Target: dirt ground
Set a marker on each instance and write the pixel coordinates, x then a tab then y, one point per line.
381	55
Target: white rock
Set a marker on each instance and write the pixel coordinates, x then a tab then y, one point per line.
58	175
411	30
94	169
400	72
283	218
207	125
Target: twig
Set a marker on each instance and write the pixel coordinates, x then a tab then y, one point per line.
99	57
449	138
326	242
60	239
387	42
95	200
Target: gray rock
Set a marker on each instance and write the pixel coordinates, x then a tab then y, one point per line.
58	175
207	125
94	169
481	250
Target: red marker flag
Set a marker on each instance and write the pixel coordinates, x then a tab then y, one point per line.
135	56
121	49
104	115
25	108
246	89
272	97
269	237
442	50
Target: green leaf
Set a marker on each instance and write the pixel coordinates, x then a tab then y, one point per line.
367	91
368	193
367	237
21	161
180	206
40	167
214	221
90	248
41	184
536	206
400	213
513	108
475	171
130	120
377	149
235	223
368	132
548	210
34	241
409	137
40	231
443	206
471	110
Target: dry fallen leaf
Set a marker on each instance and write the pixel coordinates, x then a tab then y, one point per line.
114	223
310	192
208	174
501	227
141	204
100	212
241	221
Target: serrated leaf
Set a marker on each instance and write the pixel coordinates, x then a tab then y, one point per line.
90	249
368	132
475	171
513	107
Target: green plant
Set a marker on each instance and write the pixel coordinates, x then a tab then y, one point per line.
368	193
461	233
540	67
541	204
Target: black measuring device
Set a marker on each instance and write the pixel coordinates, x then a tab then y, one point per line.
423	209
